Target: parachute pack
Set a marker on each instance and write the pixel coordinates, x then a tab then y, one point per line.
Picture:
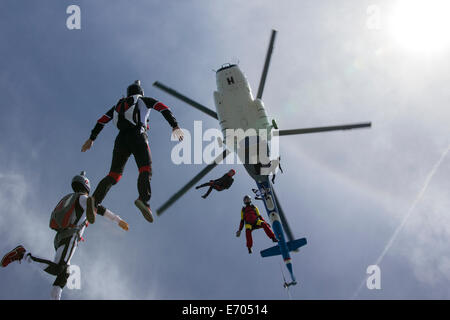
64	215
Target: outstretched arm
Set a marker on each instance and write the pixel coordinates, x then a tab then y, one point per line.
167	114
113	217
98	127
101	210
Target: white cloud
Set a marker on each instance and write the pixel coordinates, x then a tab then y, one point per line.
20	223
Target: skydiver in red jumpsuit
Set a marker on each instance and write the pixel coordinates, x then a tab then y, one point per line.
253	220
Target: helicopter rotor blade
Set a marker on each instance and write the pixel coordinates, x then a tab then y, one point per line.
323	129
262	81
185	99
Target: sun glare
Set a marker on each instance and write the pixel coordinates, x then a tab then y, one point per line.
422	26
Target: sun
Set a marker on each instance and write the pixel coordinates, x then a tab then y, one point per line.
421	26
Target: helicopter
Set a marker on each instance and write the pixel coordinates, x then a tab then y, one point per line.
237	109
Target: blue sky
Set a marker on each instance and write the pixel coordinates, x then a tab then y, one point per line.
345	191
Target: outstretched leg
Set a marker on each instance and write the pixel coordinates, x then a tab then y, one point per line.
59	267
143	158
207	192
248	237
203	185
268	231
120	157
60	270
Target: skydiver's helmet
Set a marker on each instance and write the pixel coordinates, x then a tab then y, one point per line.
247	199
80	183
232	172
135	88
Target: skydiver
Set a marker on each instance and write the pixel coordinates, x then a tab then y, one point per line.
253	220
131	116
258	194
281	169
220	184
68	219
275	163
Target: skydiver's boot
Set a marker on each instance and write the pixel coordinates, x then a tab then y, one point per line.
14	255
250	250
274	239
91	211
145	209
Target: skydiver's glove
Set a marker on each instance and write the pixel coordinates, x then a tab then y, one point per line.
87	145
238	233
113	217
178	133
123	225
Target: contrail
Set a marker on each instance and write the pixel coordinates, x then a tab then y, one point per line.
407	215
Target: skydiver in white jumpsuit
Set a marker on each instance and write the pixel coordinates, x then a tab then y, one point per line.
68	219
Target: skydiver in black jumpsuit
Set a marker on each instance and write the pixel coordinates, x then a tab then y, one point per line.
220	184
131	116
